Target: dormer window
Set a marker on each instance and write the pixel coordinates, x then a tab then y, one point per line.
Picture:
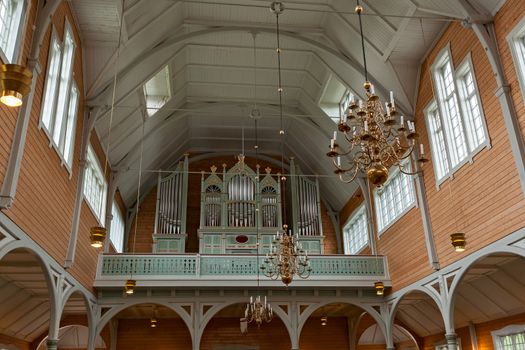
157	91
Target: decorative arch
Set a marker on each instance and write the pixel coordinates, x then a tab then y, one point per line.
50	277
214	310
178	309
65	329
305	315
472	260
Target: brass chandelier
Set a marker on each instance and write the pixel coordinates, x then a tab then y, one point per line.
258	311
378	138
286	258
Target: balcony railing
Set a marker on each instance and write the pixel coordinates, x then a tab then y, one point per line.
195	270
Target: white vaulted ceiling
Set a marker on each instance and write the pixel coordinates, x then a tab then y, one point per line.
208	46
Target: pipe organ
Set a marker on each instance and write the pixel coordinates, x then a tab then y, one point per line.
238	202
170	216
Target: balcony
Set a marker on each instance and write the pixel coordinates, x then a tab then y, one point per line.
199	270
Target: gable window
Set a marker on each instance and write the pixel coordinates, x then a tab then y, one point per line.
116	235
455	120
355	232
10	28
59	111
509	338
157	91
95	187
394	199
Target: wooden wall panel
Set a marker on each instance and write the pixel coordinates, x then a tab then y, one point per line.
147	208
226	331
171	334
332	336
21	344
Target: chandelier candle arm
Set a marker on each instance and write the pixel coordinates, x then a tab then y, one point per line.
377	138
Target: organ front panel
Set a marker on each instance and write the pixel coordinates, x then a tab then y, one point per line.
239	202
170	216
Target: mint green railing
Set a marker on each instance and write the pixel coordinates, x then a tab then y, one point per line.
190	266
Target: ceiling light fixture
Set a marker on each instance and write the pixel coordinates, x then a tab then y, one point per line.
377	139
458	241
286	258
15	83
380	288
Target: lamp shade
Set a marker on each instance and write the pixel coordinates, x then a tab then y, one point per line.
15	83
379	287
97	236
458	241
129	287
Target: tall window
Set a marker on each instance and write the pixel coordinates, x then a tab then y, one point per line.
355	232
513	341
511	337
516	39
456	123
59	112
394	199
117	229
95	187
10	27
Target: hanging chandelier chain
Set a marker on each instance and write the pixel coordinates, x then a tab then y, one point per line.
359	10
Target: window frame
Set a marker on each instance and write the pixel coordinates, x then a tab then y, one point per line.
436	101
505	331
360	210
18	36
468	64
65	160
169	85
101	219
116	206
411	206
518	58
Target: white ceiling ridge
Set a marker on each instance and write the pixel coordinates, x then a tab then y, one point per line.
127	71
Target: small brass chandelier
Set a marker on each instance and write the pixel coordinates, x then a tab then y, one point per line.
258	311
286	259
376	139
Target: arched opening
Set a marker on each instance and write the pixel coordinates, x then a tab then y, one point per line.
25	307
149	326
373	339
487	297
334	326
74	337
223	332
419	314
